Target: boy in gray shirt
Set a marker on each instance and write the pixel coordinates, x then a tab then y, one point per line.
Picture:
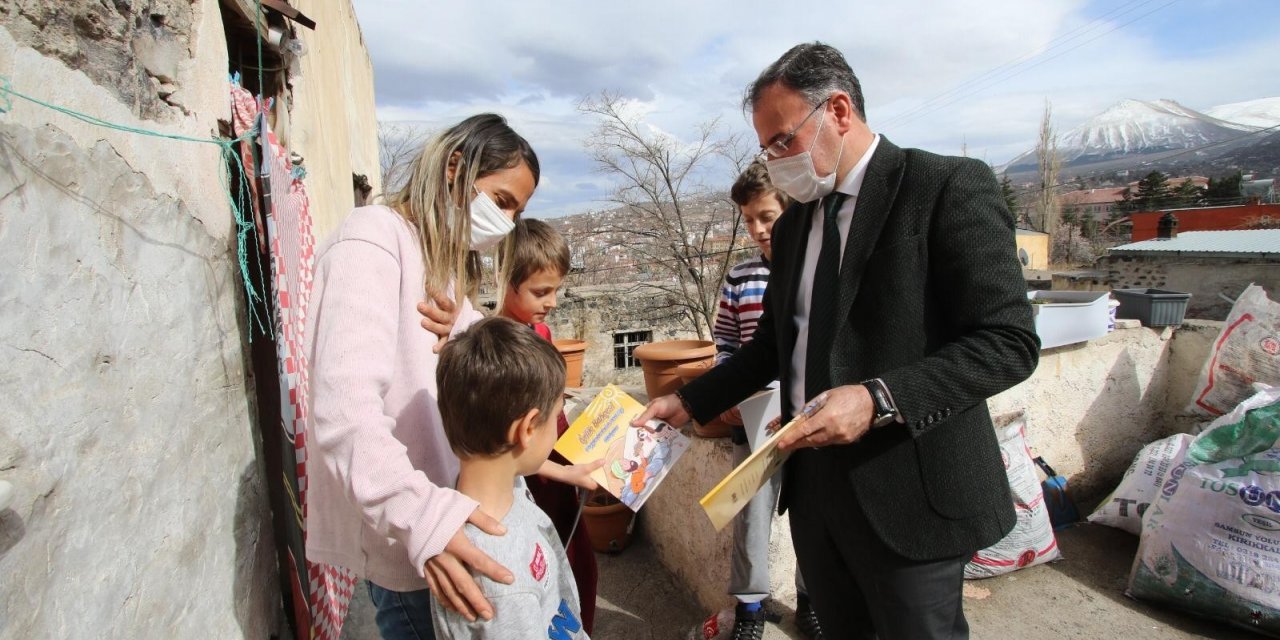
500	394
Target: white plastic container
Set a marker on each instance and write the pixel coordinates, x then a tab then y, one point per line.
1067	317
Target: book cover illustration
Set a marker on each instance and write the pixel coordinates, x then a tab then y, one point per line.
636	459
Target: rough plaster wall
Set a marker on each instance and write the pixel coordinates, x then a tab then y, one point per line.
687	544
1091	407
140	509
334	124
1203	278
139	506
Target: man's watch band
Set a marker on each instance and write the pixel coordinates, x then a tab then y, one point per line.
886	411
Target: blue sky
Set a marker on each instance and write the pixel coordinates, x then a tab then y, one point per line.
943	75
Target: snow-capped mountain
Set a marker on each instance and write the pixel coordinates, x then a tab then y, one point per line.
1135	128
1264	112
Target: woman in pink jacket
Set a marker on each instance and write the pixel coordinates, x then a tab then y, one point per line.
377	500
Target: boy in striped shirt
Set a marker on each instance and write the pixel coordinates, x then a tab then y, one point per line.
741	304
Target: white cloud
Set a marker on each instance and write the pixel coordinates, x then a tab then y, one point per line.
982	69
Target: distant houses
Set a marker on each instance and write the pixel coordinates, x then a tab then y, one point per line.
1234	217
1213	266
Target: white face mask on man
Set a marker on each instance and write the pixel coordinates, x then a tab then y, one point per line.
797	177
489	224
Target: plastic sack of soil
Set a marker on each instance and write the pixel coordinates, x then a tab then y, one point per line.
1141	483
1031	541
1247	351
1211	538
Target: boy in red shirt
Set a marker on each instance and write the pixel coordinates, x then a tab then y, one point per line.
533	261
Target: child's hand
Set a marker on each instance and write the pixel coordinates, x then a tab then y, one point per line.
578	475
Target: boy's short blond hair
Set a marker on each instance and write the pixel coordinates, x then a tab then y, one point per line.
488	377
531	247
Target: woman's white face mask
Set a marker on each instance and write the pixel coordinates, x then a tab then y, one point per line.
797	177
489	224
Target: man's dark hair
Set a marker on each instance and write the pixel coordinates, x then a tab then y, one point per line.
489	376
815	70
753	183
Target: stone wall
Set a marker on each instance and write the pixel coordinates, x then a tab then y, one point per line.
1207	279
139	508
1090	408
596	313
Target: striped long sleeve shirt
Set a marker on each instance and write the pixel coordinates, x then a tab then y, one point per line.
741	304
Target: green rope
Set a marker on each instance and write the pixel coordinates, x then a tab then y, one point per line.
244	223
8	102
7	89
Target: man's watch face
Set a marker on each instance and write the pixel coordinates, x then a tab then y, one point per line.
881	420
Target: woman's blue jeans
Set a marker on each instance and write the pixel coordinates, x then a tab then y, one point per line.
402	615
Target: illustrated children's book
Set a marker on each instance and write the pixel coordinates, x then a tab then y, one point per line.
733	493
636	459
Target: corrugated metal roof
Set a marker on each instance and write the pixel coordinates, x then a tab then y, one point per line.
1251	241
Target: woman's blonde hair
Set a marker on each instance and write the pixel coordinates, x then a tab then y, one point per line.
439	210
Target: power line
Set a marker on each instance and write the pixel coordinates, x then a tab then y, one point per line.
915	115
1053	44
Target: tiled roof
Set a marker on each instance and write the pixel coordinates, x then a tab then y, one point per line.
1249	242
1093	196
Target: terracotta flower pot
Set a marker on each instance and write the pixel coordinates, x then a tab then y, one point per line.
659	361
608	522
688	372
573	352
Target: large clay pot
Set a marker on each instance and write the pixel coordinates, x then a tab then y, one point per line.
659	361
608	522
573	352
688	372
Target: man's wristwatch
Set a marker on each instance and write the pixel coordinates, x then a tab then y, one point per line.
886	411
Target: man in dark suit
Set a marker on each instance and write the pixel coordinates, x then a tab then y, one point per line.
896	307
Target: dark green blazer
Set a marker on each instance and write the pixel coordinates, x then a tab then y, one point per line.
932	300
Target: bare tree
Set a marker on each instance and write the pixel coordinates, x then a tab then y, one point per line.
681	236
398	146
1047	207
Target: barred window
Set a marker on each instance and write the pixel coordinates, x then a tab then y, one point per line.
624	347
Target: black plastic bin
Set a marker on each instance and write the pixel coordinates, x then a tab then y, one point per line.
1153	307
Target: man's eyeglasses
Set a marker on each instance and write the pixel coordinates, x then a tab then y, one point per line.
778	148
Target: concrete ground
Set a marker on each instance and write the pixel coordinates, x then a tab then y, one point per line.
1079	597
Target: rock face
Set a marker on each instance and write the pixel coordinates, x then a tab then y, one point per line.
130	48
139	507
137	503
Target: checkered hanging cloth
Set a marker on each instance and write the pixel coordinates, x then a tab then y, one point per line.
328	588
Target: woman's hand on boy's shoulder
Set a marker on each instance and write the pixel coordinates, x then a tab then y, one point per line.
438	316
451	582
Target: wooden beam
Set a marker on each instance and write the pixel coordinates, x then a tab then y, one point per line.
283	8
